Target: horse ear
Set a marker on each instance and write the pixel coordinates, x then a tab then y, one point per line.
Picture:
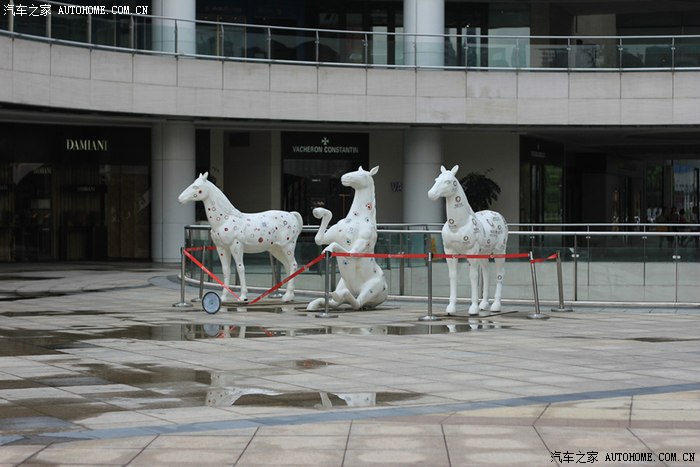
455	169
360	169
206	175
442	169
374	171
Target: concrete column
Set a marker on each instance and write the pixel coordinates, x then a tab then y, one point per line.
422	159
165	32
172	170
424	17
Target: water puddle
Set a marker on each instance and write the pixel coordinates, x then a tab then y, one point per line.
17	342
227	397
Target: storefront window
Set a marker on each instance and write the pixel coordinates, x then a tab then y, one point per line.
74	194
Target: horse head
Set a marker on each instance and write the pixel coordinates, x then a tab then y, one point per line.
360	178
197	191
445	184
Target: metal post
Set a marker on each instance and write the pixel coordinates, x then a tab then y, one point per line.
401	266
177	40
182	303
49	33
644	259
89	29
201	276
536	314
269	44
327	288
676	260
316	42
11	17
429	316
561	287
575	255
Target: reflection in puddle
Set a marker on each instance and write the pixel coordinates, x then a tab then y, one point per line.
17	342
203	331
229	396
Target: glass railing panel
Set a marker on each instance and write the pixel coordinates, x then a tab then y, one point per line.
549	53
256	42
4	18
687	52
646	52
341	47
688	265
502	52
163	34
143	33
208	39
594	52
104	31
70	27
234	41
33	25
292	45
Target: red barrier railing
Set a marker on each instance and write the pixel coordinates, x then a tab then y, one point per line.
187	253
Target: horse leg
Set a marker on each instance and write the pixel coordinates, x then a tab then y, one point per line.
474	280
335	298
371	293
225	259
500	272
237	253
285	255
484	267
452	264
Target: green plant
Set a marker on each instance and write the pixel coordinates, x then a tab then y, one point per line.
481	191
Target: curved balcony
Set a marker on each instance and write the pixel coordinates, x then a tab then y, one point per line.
164	66
118	28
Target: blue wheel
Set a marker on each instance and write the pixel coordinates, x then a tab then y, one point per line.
211	302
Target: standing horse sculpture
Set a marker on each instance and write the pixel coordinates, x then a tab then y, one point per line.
362	283
235	233
471	233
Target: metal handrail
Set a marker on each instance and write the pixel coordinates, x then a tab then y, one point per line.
583	252
564	48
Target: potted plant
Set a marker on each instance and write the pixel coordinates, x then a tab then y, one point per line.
481	191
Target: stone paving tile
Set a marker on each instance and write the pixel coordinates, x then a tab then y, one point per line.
600	379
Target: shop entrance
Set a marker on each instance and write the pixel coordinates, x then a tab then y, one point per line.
312	166
76	194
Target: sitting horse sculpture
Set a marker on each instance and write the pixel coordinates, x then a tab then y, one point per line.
235	233
471	233
362	283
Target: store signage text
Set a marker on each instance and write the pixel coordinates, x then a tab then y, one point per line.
86	145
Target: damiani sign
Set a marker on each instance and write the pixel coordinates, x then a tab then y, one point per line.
86	145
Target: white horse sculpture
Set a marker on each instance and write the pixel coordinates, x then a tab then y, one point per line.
235	233
362	283
471	233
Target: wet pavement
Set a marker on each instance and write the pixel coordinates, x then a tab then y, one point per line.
98	368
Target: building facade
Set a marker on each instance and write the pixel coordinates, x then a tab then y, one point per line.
581	112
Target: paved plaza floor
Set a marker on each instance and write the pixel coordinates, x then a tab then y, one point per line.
98	368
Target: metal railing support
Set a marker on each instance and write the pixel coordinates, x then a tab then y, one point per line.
430	316
182	303
201	276
560	286
533	272
327	287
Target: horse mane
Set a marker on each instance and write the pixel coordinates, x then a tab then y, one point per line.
221	201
